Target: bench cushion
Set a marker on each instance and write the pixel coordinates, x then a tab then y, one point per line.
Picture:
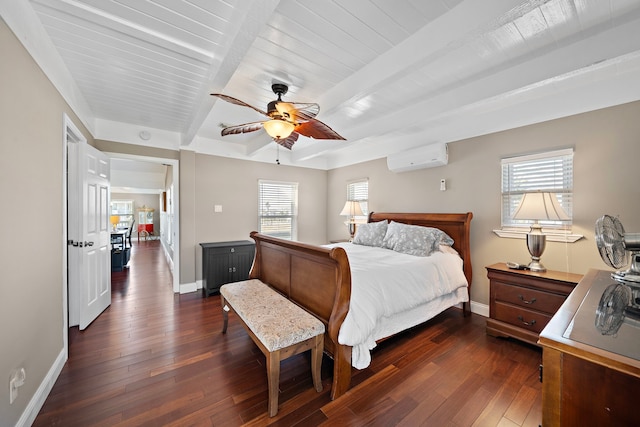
277	322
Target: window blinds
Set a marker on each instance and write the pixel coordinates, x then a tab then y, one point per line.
278	209
359	191
549	171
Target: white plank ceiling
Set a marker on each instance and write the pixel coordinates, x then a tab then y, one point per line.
388	75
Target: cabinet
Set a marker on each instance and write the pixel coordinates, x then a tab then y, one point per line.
225	262
119	251
522	302
145	222
589	379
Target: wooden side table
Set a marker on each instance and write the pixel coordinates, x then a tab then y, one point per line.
522	302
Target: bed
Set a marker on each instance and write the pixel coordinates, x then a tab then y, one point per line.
319	278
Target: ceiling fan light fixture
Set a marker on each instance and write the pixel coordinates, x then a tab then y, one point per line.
278	129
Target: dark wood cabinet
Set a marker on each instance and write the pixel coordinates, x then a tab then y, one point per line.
225	262
120	252
522	302
589	378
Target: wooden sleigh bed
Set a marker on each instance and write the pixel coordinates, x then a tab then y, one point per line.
318	278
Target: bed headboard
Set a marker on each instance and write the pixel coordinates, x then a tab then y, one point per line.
456	225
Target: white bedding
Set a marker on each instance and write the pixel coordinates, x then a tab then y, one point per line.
386	284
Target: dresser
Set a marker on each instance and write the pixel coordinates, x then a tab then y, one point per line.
225	262
522	302
589	378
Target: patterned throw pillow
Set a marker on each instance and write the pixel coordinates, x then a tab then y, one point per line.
370	234
414	239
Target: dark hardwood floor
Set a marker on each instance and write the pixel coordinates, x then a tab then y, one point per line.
154	358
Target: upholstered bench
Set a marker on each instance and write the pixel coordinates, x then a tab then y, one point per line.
279	328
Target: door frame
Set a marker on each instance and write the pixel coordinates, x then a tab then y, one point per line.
69	130
176	201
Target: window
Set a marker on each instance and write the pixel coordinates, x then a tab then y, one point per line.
549	171
123	210
278	209
359	191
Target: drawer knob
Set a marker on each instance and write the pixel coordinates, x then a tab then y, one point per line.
533	322
525	301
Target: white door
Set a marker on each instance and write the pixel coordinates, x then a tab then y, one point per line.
89	234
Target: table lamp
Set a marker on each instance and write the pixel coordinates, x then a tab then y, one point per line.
539	206
114	220
351	209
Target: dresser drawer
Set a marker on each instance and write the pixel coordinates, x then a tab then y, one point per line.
531	299
517	316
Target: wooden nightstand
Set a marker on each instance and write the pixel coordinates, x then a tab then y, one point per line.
522	302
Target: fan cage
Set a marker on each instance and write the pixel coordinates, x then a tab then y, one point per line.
611	309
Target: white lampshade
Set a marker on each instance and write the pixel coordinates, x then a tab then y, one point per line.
278	129
540	206
352	208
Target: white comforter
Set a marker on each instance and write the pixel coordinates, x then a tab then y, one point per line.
384	283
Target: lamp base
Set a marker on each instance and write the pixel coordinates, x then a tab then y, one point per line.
352	230
536	244
536	266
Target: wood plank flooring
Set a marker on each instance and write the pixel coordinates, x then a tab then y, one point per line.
154	358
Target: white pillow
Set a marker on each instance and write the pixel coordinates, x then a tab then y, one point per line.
414	239
370	234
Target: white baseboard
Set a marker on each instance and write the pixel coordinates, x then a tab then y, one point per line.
189	287
35	404
480	309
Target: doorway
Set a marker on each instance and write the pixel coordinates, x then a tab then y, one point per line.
71	133
169	220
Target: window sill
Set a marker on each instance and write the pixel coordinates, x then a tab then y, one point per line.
552	236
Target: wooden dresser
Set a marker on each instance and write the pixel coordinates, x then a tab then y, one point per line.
589	379
522	302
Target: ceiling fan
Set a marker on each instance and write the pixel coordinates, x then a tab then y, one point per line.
287	120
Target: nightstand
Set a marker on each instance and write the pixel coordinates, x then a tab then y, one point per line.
522	302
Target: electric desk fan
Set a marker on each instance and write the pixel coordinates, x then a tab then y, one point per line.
620	300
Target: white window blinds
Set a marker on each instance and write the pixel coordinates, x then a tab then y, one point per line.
550	171
359	191
278	209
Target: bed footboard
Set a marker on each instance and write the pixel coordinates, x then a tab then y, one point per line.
317	279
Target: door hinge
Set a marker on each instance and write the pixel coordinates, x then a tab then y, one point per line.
540	372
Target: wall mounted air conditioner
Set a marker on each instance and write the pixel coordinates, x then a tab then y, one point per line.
428	156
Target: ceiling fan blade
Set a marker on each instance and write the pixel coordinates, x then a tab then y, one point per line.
288	141
316	129
247	127
301	111
236	101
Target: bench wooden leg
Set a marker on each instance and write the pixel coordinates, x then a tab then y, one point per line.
225	314
273	379
316	361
